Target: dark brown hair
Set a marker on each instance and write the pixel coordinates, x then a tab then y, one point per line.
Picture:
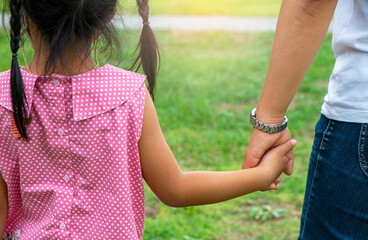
70	23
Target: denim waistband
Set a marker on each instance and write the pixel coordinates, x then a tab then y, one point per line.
324	118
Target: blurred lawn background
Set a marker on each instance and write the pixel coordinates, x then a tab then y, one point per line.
206	7
209	81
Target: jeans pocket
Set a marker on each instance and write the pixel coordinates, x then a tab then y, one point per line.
363	149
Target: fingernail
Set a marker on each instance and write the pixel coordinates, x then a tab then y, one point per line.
293	142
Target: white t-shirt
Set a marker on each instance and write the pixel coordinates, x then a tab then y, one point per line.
347	98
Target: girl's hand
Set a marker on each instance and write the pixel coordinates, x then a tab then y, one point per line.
274	163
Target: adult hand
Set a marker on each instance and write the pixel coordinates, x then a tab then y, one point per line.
260	143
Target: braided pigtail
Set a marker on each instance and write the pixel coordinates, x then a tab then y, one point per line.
16	80
149	55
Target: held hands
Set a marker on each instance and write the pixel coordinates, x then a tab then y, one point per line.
260	142
263	142
273	164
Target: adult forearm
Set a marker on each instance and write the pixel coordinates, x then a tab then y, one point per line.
199	188
301	28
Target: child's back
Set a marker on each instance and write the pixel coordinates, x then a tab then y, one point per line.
79	177
69	156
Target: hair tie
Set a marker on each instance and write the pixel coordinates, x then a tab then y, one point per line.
14	130
146	23
15	55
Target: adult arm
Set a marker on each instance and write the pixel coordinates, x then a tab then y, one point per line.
179	189
300	31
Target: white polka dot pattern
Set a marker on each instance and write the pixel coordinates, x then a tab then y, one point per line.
79	177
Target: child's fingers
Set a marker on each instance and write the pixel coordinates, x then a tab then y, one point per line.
278	180
273	186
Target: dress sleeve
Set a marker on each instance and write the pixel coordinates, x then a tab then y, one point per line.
9	170
138	101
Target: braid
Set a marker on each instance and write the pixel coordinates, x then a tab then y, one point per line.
149	55
16	81
143	9
15	23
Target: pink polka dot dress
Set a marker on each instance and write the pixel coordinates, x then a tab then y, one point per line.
79	176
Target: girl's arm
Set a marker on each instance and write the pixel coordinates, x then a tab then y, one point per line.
179	189
3	205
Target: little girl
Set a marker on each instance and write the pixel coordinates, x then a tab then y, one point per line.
77	139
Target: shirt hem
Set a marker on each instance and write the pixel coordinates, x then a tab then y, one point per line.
344	114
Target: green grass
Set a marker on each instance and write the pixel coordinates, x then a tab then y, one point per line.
205	7
207	86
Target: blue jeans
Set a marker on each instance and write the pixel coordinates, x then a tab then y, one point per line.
336	196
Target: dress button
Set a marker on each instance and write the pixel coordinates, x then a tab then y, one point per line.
66	178
62	225
56	82
61	132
